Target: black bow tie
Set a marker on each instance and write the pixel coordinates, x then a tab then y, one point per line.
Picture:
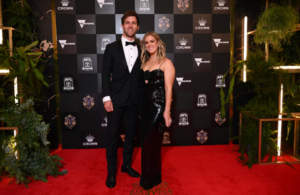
130	43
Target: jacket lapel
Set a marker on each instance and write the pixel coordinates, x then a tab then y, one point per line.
122	54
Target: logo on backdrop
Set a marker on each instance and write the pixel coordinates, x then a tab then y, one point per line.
180	80
102	2
63	43
70	121
199	61
104	124
144	5
68	84
202	26
219	119
164	23
183	119
183	4
82	23
202	136
218	42
87	64
166	138
219	81
88	102
221	4
183	43
90	140
105	41
65	4
202	100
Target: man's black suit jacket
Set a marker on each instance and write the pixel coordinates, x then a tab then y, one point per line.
117	82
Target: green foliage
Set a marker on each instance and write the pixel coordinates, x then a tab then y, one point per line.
222	95
264	79
25	65
34	159
21	18
265	82
275	25
6	147
249	142
261	106
290	104
291	53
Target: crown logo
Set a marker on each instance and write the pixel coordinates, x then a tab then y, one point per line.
65	2
90	138
221	2
202	22
183	41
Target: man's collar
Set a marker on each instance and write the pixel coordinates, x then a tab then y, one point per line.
124	39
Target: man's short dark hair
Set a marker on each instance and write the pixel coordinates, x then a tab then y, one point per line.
128	14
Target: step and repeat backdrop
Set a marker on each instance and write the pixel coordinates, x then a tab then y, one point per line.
196	33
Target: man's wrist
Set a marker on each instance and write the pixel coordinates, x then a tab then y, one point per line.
106	98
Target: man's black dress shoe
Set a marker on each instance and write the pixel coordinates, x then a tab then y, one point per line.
131	172
111	179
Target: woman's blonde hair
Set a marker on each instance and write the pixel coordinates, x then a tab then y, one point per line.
161	50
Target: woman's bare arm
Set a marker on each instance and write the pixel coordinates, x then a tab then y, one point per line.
169	73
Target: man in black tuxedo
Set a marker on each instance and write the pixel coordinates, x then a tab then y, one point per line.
121	86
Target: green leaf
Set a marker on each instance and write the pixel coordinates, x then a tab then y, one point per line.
40	76
33	64
6	63
25	3
31	45
34	53
21	52
21	65
230	88
26	64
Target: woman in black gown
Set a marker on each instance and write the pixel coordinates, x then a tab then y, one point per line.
159	75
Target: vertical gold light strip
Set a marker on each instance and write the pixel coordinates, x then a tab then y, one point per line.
280	122
56	76
16	89
245	47
10	37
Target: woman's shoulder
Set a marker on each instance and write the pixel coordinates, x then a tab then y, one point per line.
167	62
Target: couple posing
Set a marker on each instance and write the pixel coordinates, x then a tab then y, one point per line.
136	81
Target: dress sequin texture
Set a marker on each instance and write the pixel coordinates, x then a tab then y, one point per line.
151	109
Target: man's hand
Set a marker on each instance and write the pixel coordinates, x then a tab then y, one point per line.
108	106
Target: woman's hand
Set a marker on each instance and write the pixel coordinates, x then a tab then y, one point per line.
168	119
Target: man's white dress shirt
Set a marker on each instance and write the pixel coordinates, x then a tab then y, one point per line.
131	53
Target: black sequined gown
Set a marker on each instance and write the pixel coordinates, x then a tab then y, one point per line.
152	109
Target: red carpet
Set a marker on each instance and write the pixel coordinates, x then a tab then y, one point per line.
189	170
